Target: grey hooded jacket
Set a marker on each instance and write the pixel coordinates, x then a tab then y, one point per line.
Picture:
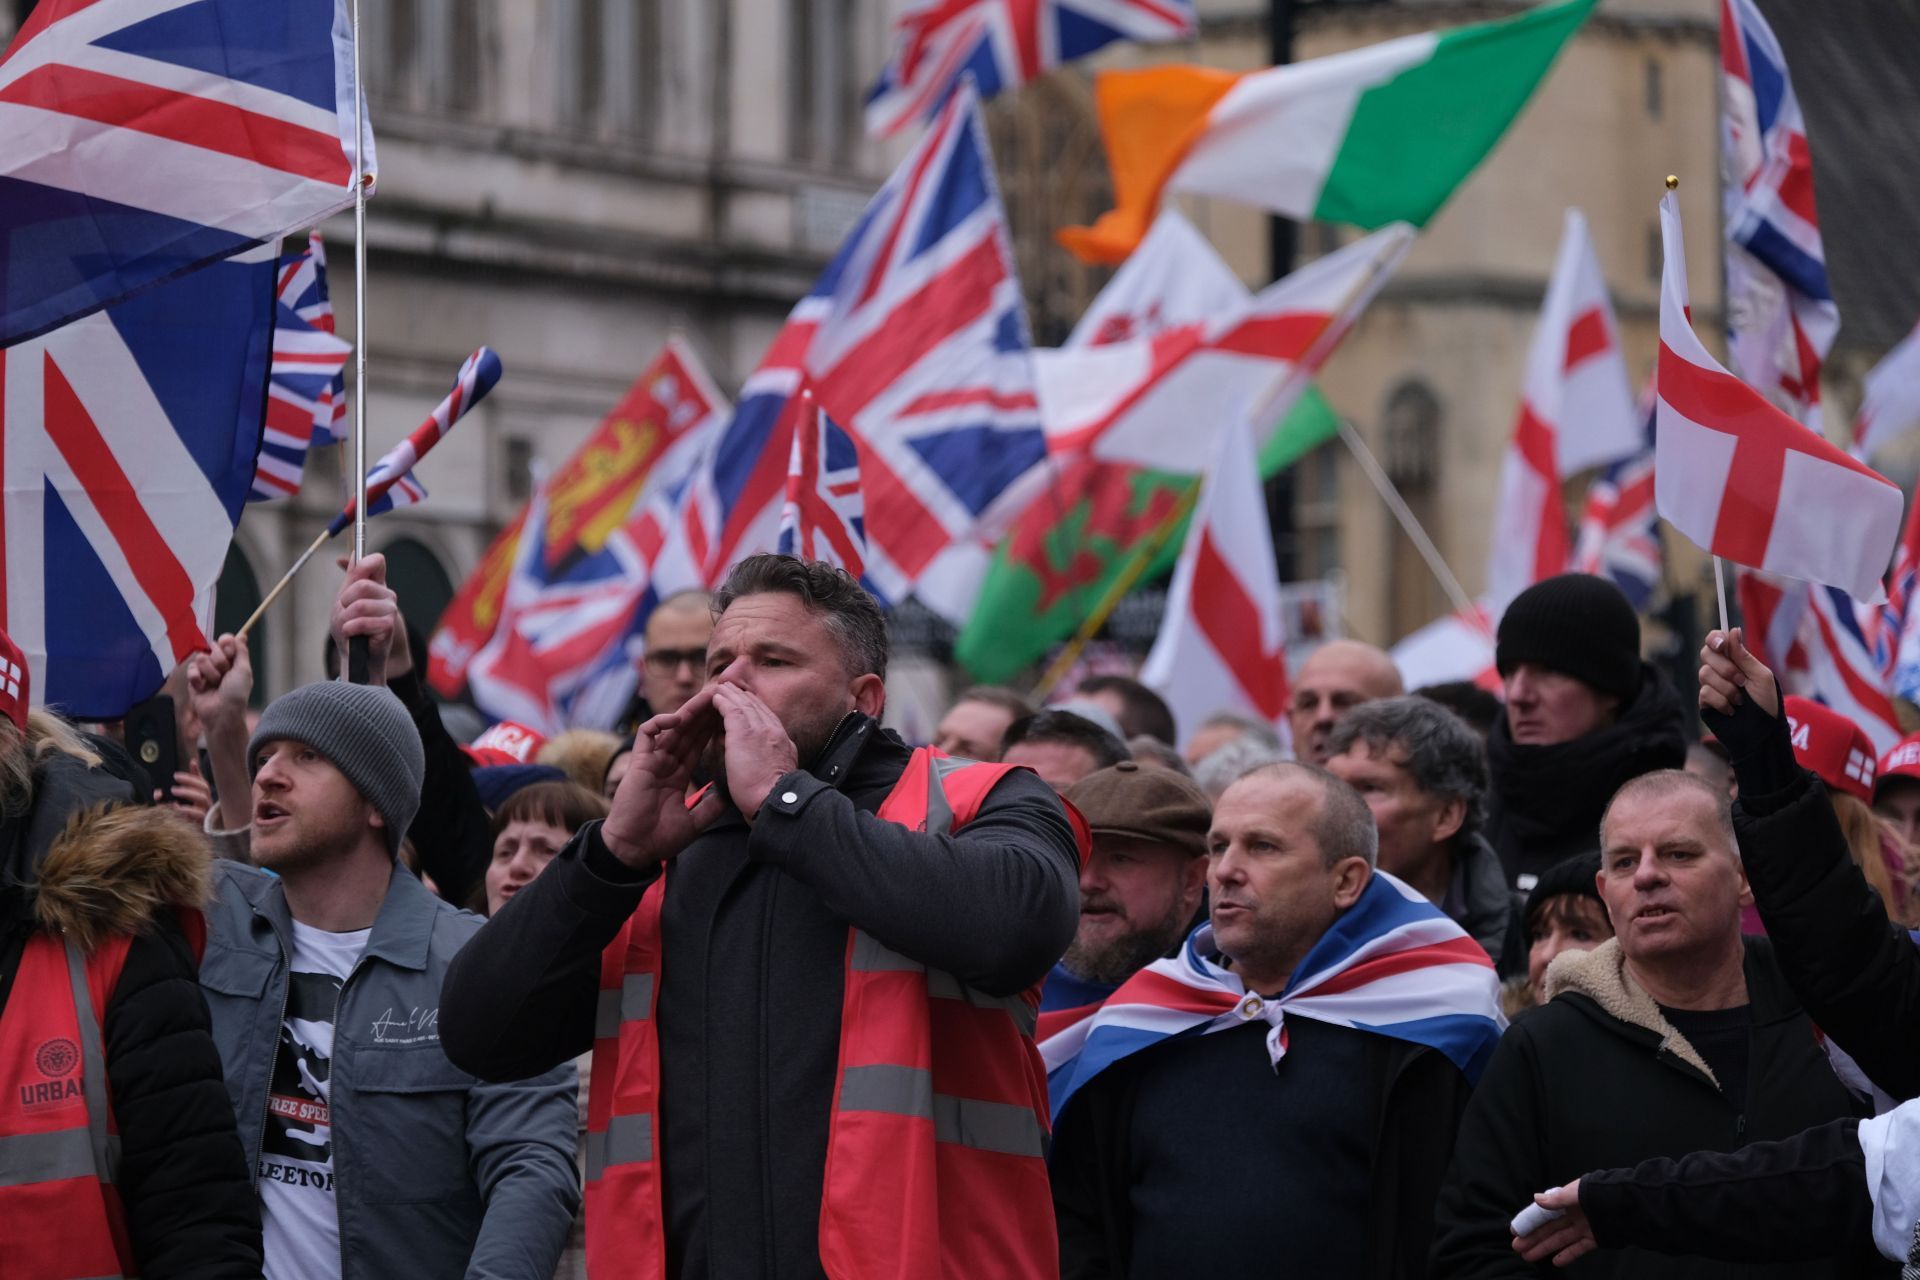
435	1173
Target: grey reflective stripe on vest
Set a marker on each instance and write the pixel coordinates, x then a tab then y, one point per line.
1002	1127
628	1140
633	1002
27	1158
93	1058
945	986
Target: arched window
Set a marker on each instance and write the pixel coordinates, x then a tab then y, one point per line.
1410	437
416	576
234	600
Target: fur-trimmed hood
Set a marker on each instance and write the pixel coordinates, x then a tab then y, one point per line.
112	870
1601	976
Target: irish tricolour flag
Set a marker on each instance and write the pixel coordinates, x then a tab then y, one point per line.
1371	136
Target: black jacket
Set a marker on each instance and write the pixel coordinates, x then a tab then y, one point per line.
1545	802
189	1203
1597	1079
1856	973
1416	1097
755	934
451	831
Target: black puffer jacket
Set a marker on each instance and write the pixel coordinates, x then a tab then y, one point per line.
190	1206
1545	803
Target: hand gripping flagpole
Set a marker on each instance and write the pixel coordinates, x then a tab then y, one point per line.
357	647
477	377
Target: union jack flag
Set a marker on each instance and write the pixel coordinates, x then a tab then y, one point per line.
1780	309
1898	643
1002	44
143	138
1820	643
1620	529
916	342
823	518
391	483
129	440
306	397
1392	965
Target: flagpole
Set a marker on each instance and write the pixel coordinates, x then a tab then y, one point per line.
357	655
285	578
1390	494
1720	586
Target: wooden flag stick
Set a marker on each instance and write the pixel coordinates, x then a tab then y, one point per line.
285	578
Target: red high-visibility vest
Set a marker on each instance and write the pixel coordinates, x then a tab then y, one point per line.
60	1216
936	1148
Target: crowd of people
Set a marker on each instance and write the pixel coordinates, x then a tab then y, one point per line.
1440	983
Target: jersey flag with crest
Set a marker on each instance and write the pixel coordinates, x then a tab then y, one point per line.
140	139
129	439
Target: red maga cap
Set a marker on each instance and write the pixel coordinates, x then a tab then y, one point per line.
1832	746
1903	761
505	743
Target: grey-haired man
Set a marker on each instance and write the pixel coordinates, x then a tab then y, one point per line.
372	1153
1423	773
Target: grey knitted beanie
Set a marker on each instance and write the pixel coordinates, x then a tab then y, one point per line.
367	735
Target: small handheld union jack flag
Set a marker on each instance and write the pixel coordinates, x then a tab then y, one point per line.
391	484
825	516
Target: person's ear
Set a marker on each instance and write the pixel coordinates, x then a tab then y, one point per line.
1447	823
869	695
1350	879
1193	883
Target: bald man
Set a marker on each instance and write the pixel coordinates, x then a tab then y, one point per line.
674	665
1335	678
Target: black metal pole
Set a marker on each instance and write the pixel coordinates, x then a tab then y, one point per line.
1283	234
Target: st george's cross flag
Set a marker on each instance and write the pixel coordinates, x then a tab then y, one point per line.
129	439
1745	481
1891	405
1368	136
1222	644
140	139
1002	44
1576	412
1392	965
1174	278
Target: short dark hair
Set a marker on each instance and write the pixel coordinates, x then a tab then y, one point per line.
1479	708
1011	701
1141	709
566	805
1068	730
1444	757
849	612
1344	827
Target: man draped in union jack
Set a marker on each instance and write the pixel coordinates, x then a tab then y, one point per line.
1779	306
916	342
143	138
1002	44
129	439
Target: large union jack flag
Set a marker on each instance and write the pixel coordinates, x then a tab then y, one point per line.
1002	44
307	395
142	138
915	339
1780	308
128	448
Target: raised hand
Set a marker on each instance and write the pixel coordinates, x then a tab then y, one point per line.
220	682
759	752
650	821
191	795
366	606
1729	673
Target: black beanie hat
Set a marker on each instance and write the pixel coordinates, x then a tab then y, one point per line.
1578	625
1573	877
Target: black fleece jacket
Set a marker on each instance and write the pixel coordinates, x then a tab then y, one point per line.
754	928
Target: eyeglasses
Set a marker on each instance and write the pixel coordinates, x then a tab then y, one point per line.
666	662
